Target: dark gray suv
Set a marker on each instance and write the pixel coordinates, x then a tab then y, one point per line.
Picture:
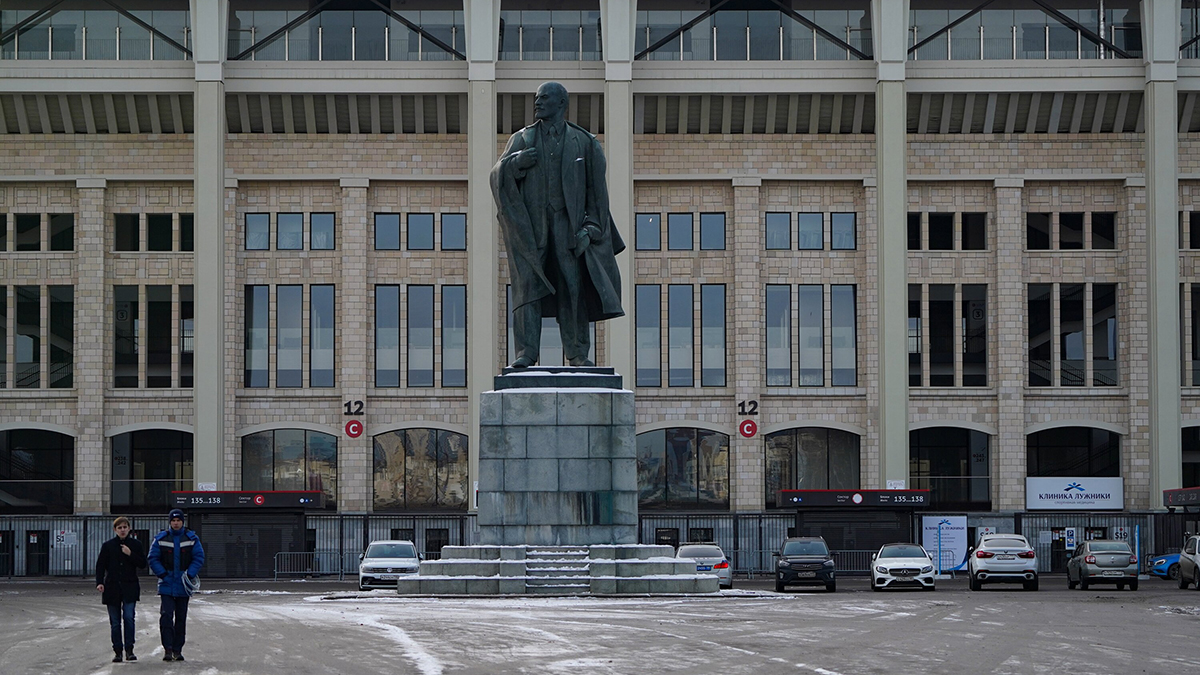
805	561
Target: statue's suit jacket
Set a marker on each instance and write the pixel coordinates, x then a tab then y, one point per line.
521	200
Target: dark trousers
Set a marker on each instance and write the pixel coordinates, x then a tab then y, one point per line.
567	273
116	613
172	622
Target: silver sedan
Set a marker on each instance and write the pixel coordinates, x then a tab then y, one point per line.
710	559
1103	561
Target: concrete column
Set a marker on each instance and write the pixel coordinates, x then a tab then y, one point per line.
889	23
748	363
1160	21
1009	307
209	21
93	341
484	303
355	306
619	20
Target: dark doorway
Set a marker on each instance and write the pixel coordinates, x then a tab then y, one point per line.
37	553
404	534
435	539
243	545
856	530
6	553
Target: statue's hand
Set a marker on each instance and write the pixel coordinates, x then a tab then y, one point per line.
526	158
582	240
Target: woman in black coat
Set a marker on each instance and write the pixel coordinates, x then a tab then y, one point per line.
117	581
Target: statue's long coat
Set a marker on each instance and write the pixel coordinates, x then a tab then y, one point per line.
521	200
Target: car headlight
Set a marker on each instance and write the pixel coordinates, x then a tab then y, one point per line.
927	569
784	563
828	563
362	569
1162	561
881	569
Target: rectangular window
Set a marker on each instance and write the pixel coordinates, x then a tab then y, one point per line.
387	231
454	231
3	232
941	232
915	369
258	232
712	335
680	363
187	336
289	336
842	231
779	231
454	336
62	232
257	336
1040	330
125	336
1195	333
648	312
289	232
387	336
845	340
420	232
187	232
1070	231
941	335
810	231
3	336
28	347
1037	231
321	328
62	336
323	232
779	335
158	336
1104	335
1072	328
126	232
28	232
1104	231
679	232
974	328
811	334
420	336
712	231
914	232
1194	228
974	231
159	232
648	232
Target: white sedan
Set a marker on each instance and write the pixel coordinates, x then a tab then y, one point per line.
901	565
710	559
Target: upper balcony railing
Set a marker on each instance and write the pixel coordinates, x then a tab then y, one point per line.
345	35
754	35
1010	34
42	31
550	36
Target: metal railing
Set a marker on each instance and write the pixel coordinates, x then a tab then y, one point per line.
313	564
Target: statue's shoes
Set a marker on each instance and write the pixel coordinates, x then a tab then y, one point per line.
586	363
522	362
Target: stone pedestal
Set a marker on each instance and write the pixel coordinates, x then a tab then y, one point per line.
557	464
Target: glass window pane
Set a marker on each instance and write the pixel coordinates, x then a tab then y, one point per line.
158	336
452	456
387	336
62	336
387	232
712	335
810	231
649	337
3	232
420	231
29	232
679	336
1104	335
289	336
420	336
125	340
420	464
844	333
648	235
126	232
290	231
842	235
187	336
843	460
974	319
388	471
810	334
914	232
454	336
915	367
1104	231
187	236
941	335
258	231
289	459
1040	330
780	450
779	231
941	232
159	232
1070	231
712	231
322	232
454	231
566	38
974	231
535	35
681	467
730	28
679	231
369	35
322	466
652	469
257	335
1037	231
321	328
712	475
3	338
779	336
1071	335
62	232
812	459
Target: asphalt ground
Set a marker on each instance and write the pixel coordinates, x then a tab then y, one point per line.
59	626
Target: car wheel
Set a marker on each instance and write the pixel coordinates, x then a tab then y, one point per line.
1133	585
1183	582
931	588
1031	585
779	586
1083	583
831	587
874	587
1173	572
1120	585
1070	583
361	587
1196	577
975	585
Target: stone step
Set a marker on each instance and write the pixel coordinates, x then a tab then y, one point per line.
558	574
556	581
558	589
556	564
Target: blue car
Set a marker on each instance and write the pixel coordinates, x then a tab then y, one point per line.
1166	566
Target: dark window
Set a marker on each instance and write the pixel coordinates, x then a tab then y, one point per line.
187	336
387	336
289	234
1191	457
37	472
454	231
914	232
3	232
187	232
712	335
842	332
1194	228
779	231
1037	231
915	372
941	231
62	232
842	231
941	335
420	231
3	336
810	334
147	466
648	234
420	336
158	336
289	336
712	231
810	231
258	231
28	232
291	459
420	469
649	336
974	231
974	321
683	468
159	232
126	232
1074	452
810	458
954	465
1072	328
679	232
62	336
680	359
779	335
257	334
321	328
387	232
1104	231
323	235
1070	231
125	321
1104	335
1040	334
28	337
454	336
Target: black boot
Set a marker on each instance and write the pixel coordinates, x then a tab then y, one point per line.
116	656
168	656
130	656
178	656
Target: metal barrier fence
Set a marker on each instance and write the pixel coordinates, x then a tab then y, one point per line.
314	564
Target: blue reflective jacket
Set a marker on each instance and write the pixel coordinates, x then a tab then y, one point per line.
171	554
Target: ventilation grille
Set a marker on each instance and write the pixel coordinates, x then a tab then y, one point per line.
1025	113
755	114
346	113
96	113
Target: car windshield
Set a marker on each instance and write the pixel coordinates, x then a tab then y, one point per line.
1005	543
700	552
902	551
391	551
1109	546
805	548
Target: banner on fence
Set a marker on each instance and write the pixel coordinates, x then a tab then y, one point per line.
949	535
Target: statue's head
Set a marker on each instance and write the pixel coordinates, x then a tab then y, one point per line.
550	104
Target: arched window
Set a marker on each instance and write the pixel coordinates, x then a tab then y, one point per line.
810	458
291	459
37	472
953	464
683	468
1191	457
1074	452
147	466
420	470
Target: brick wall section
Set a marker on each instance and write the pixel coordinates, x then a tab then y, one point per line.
92	298
354	304
746	349
1008	319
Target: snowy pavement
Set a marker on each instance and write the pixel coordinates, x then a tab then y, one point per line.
239	628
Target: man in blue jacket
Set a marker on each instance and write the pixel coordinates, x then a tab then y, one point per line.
176	557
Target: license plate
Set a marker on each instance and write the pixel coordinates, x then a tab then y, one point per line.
1112	573
806	574
703	568
1005	556
387	577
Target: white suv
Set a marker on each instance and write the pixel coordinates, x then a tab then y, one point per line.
1005	558
386	561
1189	562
